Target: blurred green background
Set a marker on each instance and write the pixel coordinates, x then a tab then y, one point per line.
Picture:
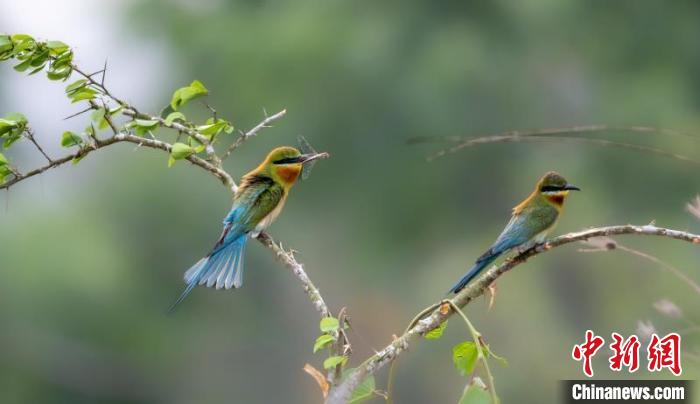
92	255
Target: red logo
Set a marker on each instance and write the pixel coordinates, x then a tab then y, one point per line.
661	353
625	353
665	353
587	350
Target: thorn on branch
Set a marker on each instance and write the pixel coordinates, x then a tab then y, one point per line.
78	113
265	123
104	73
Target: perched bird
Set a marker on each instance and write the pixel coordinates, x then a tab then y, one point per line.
530	223
257	202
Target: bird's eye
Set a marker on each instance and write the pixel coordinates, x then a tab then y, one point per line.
551	188
286	160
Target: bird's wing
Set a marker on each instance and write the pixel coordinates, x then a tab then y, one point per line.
514	234
522	228
253	203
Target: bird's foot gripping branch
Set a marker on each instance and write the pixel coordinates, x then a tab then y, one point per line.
113	120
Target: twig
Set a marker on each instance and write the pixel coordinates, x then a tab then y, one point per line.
77	113
245	136
104	74
610	245
341	393
517	138
288	260
29	134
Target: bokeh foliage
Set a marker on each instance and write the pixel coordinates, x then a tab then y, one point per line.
89	270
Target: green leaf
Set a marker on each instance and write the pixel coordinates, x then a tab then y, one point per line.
364	391
39	59
21	37
5	172
146	123
214	128
174	116
436	332
6	126
98	116
180	151
329	324
143	126
37	70
183	95
4	162
5	43
323	341
85	93
20	67
60	74
57	47
464	356
334	361
18	118
69	139
475	393
76	85
12	126
14	136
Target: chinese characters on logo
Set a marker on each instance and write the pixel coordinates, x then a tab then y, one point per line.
661	353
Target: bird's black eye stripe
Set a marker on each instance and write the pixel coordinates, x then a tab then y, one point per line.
287	160
551	188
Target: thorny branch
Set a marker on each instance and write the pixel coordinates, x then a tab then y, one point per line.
246	135
341	393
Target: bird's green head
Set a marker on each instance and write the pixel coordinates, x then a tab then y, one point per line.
554	188
284	164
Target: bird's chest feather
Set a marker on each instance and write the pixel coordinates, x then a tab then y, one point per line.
556	200
288	175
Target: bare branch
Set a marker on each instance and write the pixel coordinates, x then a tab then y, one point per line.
341	393
29	134
288	260
519	138
245	136
604	244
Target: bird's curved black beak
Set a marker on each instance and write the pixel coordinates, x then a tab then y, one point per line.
570	187
305	158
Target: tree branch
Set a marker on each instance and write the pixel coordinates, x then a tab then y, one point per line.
222	175
569	134
341	393
288	260
245	136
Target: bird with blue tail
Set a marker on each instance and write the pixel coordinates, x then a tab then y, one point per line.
532	220
256	204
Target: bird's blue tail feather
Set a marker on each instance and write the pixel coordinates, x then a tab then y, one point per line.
482	263
222	269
